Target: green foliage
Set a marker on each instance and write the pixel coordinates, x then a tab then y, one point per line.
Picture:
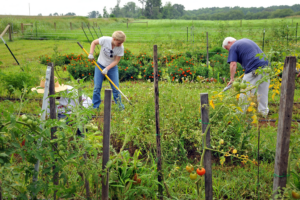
19	80
82	68
147	71
128	70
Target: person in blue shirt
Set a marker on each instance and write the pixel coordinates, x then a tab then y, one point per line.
245	52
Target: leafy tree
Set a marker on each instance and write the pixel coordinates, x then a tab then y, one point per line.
167	12
105	13
279	13
178	11
152	9
55	14
40	14
70	14
93	14
50	14
116	11
129	9
142	2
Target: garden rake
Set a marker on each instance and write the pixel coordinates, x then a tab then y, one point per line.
105	75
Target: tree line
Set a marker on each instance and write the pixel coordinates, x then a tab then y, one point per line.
153	9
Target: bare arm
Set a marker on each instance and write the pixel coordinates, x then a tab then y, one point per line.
114	63
232	71
93	45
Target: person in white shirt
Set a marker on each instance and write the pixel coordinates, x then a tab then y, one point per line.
111	51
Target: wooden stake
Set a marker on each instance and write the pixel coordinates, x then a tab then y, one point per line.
187	34
53	116
79	92
71	25
296	32
106	142
156	93
207	155
22	28
284	124
55	26
10	32
207	55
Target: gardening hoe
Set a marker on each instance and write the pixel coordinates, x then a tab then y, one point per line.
10	51
105	75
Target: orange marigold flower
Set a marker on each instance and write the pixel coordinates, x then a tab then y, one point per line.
82	74
131	77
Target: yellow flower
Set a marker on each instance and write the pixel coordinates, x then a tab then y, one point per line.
252	104
237	97
254	117
234	151
211	103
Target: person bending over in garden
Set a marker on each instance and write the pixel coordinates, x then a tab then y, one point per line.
112	50
244	51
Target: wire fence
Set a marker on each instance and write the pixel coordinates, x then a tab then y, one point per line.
280	35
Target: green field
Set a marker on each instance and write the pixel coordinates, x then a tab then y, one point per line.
133	136
170	35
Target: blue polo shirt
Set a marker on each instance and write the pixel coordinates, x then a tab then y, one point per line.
244	51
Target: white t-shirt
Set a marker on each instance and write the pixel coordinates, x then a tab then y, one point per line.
65	107
107	54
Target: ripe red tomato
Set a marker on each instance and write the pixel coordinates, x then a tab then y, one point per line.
23	143
201	171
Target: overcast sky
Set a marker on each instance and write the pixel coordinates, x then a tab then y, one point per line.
83	7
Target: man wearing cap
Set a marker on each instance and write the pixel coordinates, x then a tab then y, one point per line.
245	52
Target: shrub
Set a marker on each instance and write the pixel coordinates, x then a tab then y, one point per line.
144	58
127	54
202	71
176	72
18	80
128	70
147	72
82	68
